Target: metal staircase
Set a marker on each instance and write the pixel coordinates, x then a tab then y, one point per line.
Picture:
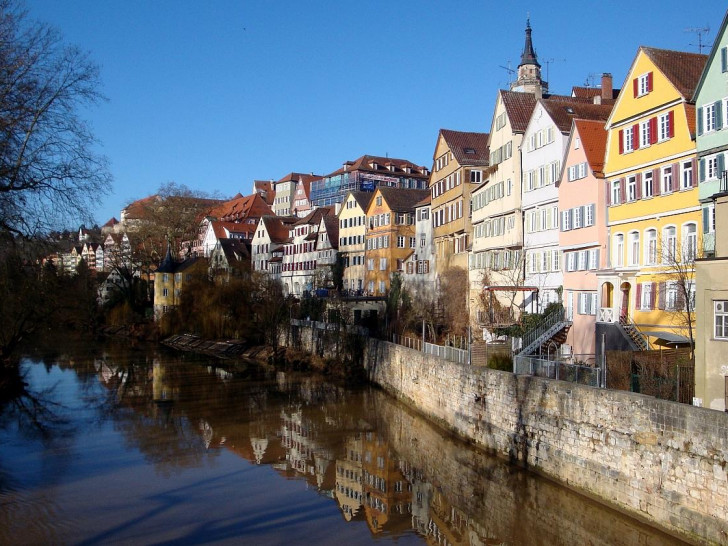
553	324
633	334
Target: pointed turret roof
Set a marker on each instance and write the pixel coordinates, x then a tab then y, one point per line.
529	55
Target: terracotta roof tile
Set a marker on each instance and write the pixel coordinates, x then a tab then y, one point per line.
681	68
594	142
468	148
364	163
563	112
402	200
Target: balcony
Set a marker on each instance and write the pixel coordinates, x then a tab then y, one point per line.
607	314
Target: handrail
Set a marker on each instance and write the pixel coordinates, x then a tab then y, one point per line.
633	332
537	331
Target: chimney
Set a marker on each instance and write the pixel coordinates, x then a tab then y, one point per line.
607	89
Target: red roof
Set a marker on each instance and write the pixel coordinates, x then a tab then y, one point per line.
468	148
593	137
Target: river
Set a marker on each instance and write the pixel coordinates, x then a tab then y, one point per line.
122	445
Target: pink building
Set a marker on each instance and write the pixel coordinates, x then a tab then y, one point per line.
583	231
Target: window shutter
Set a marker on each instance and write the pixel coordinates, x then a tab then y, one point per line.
700	120
649	82
653	130
719	114
653	295
701	170
622	190
656	182
638	185
721	165
635	87
661	296
724	59
638	296
636	136
597	263
671	123
609	192
680	300
621	141
583	216
706	219
676	182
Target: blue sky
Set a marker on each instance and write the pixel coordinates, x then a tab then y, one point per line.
217	94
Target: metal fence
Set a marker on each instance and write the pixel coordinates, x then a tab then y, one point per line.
552	369
443	351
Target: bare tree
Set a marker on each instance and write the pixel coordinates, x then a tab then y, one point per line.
501	292
677	291
453	302
49	171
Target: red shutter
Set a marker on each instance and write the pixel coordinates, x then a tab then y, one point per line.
671	123
661	295
653	130
609	193
622	190
694	178
676	182
638	188
634	86
653	295
621	141
636	136
656	182
638	296
649	82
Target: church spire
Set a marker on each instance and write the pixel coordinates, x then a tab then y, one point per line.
529	71
529	55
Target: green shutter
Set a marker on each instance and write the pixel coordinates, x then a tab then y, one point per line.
724	59
700	120
701	170
719	114
706	219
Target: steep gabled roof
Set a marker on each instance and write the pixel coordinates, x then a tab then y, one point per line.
402	200
314	217
519	107
331	223
468	148
683	69
593	137
363	198
251	206
235	250
717	43
277	230
563	112
295	177
111	223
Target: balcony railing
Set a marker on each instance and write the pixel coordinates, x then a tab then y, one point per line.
607	314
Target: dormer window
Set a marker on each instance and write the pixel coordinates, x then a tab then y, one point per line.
469	150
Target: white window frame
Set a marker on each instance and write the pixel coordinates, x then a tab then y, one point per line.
720	319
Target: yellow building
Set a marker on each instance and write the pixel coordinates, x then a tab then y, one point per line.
459	164
654	217
170	280
390	237
352	233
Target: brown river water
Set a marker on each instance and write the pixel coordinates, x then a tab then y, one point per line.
122	445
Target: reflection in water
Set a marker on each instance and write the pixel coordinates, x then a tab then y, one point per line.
379	464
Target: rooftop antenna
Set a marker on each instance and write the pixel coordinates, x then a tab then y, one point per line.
508	69
590	80
699	31
547	62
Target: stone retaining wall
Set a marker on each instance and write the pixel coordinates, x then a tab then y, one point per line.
660	461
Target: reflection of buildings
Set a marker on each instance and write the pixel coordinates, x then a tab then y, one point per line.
303	453
386	493
349	478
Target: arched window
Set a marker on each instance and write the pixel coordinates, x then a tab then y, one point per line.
690	242
634	248
651	246
618	250
669	245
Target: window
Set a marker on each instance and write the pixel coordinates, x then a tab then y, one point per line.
671	296
642	84
382	264
165	292
379	200
711	170
669	242
686	180
721	319
648	189
645	139
412	242
690	242
618	251
651	247
628	139
370	264
646	303
667	186
710	117
589	215
476	176
634	248
665	126
616	192
400	242
632	188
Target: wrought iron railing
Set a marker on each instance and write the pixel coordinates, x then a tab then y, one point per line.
637	337
553	369
549	321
